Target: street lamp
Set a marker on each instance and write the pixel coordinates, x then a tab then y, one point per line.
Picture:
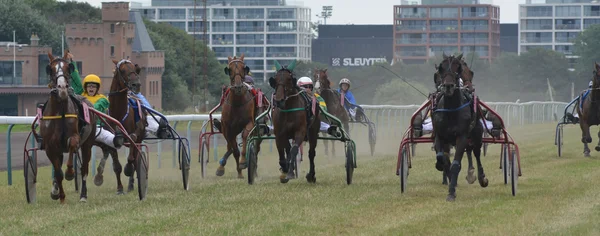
326	13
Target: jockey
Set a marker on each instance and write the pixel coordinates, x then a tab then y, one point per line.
249	81
158	129
345	90
574	117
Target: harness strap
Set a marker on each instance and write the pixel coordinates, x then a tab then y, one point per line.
59	117
293	109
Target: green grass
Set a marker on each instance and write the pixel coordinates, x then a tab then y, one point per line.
557	196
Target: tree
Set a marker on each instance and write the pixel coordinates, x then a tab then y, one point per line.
587	47
314	29
177	80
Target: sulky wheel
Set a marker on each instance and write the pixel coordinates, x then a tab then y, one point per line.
403	170
142	175
30	174
505	163
350	161
203	156
251	158
559	140
514	171
372	137
77	167
184	164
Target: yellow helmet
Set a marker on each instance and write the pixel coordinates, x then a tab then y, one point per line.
91	78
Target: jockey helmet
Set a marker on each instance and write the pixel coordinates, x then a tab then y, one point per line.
304	81
344	81
91	78
248	79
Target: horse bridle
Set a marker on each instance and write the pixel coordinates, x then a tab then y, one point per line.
236	70
286	88
121	78
59	73
456	75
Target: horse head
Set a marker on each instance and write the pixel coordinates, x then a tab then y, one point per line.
596	78
284	83
321	80
467	74
59	71
237	71
450	70
126	76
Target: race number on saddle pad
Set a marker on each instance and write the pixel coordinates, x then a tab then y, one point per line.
86	112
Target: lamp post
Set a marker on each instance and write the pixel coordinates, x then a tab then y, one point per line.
326	13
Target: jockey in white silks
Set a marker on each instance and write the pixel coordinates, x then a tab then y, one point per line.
575	114
428	125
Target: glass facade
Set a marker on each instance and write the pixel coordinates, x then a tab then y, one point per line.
6	72
261	29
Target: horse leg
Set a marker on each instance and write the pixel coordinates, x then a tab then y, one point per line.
57	190
586	137
483	181
223	162
283	146
70	173
471	172
446	161
439	156
243	163
598	146
99	178
312	142
236	155
86	154
298	139
117	168
461	144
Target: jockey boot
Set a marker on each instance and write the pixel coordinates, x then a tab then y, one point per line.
418	125
333	131
118	140
217	124
162	132
40	142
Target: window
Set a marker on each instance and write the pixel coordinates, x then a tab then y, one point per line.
6	72
79	67
112	51
112	28
42	62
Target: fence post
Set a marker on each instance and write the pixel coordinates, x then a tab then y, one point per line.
9	155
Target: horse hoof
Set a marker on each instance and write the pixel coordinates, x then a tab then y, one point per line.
243	165
83	200
586	154
597	148
483	182
98	180
282	178
54	196
130	188
120	192
439	164
471	176
69	174
450	198
311	178
240	176
284	181
220	171
128	169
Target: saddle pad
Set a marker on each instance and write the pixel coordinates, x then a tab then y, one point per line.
86	112
137	113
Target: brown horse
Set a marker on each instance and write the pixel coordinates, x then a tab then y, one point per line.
126	79
293	119
589	110
332	99
237	116
62	129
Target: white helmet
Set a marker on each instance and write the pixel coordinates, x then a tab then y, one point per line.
304	81
344	81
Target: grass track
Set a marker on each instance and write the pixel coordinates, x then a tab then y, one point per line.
557	196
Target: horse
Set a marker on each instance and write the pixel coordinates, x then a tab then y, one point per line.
126	79
455	123
332	99
589	110
237	116
293	118
62	129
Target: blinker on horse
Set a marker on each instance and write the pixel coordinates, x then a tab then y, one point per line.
454	123
60	128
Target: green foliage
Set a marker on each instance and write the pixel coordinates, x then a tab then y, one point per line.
587	47
177	83
19	16
399	92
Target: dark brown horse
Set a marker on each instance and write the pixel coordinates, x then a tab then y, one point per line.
63	130
126	79
455	124
589	111
293	119
332	99
239	111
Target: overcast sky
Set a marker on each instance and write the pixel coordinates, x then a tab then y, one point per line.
355	11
